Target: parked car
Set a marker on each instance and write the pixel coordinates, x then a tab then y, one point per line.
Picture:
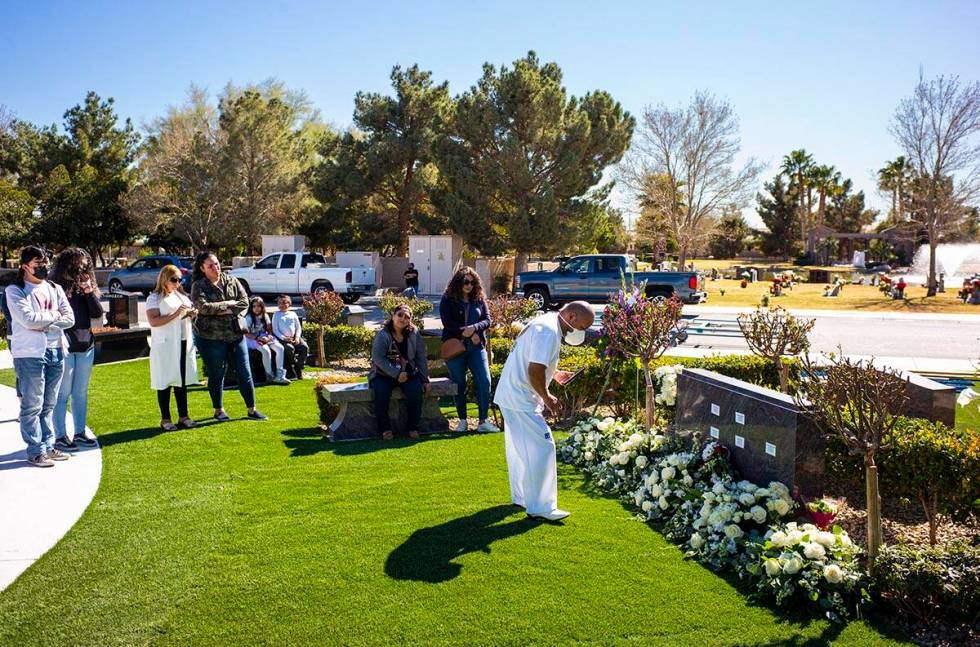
296	273
594	277
141	275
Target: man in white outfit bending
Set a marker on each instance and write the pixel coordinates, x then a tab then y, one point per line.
522	395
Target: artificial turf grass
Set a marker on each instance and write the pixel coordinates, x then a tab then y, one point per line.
252	532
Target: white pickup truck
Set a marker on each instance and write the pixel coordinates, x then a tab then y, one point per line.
305	273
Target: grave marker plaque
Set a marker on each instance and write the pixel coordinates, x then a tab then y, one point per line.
769	437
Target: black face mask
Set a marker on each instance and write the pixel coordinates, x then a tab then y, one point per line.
40	272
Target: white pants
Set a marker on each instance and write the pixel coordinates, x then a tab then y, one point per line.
266	351
531	462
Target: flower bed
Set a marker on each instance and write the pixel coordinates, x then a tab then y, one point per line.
694	496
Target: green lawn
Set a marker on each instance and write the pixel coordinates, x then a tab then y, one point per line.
262	533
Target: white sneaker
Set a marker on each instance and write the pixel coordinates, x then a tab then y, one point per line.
281	379
461	427
554	515
487	427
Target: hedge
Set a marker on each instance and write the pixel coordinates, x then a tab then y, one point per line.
926	583
339	342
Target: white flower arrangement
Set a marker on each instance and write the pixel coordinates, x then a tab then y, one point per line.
666	379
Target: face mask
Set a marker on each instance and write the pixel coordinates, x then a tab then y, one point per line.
40	272
573	337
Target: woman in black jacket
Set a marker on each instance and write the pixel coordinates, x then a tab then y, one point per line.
74	273
398	362
465	316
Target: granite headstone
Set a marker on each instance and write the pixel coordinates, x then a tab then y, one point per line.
769	437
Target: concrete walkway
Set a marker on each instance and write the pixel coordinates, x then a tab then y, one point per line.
37	505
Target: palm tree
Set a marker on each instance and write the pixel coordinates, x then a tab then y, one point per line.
823	178
895	176
796	166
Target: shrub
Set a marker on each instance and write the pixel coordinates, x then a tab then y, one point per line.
323	308
505	311
926	583
339	342
419	307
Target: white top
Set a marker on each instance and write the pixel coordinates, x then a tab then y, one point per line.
538	343
286	324
40	314
168	304
46	296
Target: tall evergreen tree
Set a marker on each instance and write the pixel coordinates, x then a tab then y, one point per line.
522	155
730	235
779	210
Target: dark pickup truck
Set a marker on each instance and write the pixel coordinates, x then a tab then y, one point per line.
595	276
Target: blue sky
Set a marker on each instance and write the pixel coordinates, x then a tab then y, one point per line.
823	76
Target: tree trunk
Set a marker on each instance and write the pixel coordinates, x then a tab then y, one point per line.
932	515
520	263
681	256
931	291
783	370
821	206
895	214
901	214
874	507
321	356
403	210
651	399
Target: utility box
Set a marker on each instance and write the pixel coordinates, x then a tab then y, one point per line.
362	259
436	258
273	244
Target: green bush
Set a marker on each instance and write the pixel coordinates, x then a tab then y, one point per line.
922	461
928	583
339	342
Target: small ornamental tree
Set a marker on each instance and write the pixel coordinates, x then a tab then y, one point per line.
505	311
322	309
935	465
861	404
641	327
773	333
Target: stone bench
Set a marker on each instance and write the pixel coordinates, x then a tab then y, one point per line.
355	420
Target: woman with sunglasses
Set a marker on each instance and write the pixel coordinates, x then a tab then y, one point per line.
398	362
173	363
465	316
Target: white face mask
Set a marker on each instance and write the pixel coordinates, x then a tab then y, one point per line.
573	337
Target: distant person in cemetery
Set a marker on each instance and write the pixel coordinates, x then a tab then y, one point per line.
398	361
412	278
73	271
466	317
259	337
219	332
288	329
173	361
523	395
40	313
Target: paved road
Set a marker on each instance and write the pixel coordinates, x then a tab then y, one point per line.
953	337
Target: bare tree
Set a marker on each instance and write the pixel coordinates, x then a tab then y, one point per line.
773	333
691	151
861	404
938	128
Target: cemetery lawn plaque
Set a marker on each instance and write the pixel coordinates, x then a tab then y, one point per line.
769	437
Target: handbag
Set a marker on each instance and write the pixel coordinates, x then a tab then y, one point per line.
453	347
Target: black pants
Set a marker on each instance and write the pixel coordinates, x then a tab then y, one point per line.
299	354
180	392
383	386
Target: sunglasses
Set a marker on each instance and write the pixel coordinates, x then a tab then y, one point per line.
468	282
174	279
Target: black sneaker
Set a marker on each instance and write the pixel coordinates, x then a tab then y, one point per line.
58	455
85	441
41	460
66	445
222	417
257	415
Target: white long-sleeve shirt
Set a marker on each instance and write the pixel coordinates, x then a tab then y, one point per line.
286	325
40	314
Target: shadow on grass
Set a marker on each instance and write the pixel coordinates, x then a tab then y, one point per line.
427	556
570	478
145	433
307	441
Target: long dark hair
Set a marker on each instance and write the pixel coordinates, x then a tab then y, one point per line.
390	324
455	288
71	267
265	312
197	273
27	255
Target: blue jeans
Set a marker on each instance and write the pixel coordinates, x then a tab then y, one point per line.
39	379
475	359
74	385
216	354
383	386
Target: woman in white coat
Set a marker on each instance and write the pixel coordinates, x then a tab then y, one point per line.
173	362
